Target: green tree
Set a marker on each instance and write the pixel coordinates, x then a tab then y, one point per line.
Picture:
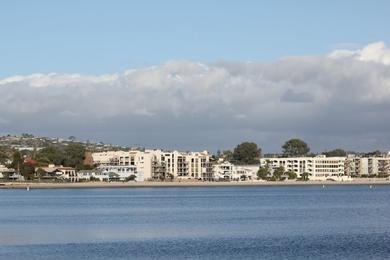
131	178
43	161
262	173
295	148
243	177
55	155
278	172
92	178
4	155
336	153
305	176
246	153
74	155
17	161
374	153
291	175
40	173
28	171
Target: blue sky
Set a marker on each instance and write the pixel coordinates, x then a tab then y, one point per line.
206	74
96	37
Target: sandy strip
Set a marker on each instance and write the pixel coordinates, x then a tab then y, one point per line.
82	185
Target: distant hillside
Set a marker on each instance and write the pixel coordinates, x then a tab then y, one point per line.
28	151
29	142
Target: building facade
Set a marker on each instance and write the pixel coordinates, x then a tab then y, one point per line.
230	172
369	166
96	174
59	172
120	172
319	167
5	172
159	164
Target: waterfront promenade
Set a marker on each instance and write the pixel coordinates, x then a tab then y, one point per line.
43	185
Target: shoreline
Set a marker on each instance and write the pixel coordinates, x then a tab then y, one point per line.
176	184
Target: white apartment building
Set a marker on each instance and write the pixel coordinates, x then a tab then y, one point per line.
224	170
199	166
120	172
158	164
229	171
319	167
249	171
87	175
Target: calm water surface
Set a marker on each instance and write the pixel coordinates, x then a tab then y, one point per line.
305	222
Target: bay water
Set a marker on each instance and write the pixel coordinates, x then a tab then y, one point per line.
265	222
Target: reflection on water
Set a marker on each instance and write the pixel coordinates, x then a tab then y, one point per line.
349	222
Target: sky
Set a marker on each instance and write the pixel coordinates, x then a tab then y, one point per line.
195	75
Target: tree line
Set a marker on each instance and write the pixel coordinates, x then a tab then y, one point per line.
250	153
72	155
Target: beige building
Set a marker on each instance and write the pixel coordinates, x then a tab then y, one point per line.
159	164
139	160
369	166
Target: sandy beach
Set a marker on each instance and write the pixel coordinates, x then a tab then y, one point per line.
43	185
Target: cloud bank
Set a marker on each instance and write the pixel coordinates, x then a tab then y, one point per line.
342	100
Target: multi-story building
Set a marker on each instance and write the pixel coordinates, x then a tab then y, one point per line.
125	163
319	167
199	166
369	166
224	170
229	171
158	164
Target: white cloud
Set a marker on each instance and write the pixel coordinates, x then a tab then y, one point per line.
377	52
374	52
337	54
183	103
